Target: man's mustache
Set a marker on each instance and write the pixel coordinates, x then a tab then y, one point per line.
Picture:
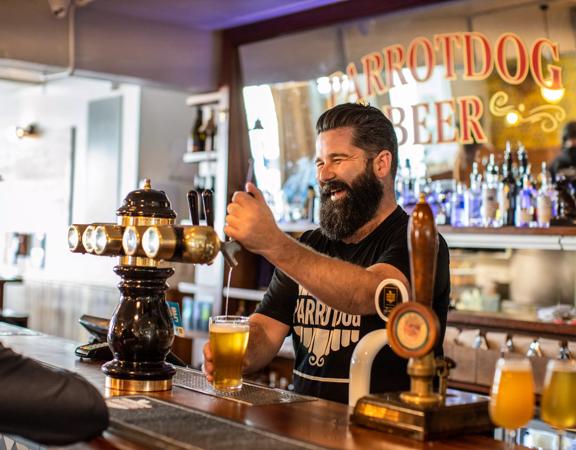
330	186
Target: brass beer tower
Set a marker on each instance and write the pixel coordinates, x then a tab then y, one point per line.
144	237
413	331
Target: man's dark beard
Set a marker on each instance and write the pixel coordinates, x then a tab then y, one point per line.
341	218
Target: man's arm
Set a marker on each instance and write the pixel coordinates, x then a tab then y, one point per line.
342	285
266	338
47	406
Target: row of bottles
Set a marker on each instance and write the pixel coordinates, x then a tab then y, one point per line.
203	133
500	196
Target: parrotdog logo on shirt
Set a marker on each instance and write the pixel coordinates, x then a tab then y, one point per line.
321	328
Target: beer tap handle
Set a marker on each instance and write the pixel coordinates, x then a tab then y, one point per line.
207	200
193	207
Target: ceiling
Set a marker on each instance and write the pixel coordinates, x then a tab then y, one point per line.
207	14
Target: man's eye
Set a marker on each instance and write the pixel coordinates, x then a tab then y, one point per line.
319	165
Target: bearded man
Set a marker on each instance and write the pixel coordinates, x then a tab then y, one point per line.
323	288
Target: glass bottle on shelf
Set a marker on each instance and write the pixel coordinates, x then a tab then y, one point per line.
210	131
523	164
197	138
473	199
507	190
458	210
525	204
545	203
490	195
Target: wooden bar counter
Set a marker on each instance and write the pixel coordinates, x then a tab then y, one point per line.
320	422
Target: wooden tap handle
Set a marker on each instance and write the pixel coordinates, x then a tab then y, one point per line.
423	248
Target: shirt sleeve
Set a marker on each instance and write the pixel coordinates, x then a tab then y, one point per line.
48	406
280	298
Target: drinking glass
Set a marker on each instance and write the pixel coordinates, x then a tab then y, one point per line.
228	341
558	405
512	396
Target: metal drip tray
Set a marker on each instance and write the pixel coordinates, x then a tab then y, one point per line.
251	394
160	425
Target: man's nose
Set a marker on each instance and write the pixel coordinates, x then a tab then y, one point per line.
325	173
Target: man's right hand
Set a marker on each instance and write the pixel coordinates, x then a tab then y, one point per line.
208	365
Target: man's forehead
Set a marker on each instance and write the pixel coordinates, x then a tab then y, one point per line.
337	140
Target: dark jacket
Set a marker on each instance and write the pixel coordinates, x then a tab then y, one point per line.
48	406
566	159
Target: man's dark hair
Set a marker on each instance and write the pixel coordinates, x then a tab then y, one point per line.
568	132
372	131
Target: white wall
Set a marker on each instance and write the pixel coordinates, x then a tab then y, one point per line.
56	108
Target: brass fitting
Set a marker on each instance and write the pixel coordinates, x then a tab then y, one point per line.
132	240
189	244
107	240
75	232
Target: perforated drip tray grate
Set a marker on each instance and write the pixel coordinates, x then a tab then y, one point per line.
251	394
160	425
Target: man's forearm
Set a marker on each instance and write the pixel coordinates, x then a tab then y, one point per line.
341	285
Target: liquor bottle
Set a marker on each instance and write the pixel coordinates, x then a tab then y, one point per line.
197	138
473	201
489	207
210	131
525	204
408	198
545	204
508	190
458	210
523	164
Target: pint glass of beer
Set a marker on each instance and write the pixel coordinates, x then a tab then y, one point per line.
228	341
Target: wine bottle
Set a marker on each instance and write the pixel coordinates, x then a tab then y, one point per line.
197	139
210	130
508	190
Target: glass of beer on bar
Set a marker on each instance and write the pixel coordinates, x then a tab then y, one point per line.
228	341
558	404
512	396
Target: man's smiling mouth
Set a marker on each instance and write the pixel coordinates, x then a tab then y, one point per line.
337	194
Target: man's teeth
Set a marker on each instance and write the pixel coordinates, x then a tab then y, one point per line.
337	193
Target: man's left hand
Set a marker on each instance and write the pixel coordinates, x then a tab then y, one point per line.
251	222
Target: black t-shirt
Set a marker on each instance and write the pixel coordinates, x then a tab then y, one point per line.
324	338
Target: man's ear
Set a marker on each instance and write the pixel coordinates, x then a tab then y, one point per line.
383	163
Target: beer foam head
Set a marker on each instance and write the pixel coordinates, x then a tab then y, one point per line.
228	327
514	365
229	324
558	365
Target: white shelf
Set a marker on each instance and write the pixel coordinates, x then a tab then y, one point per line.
198	157
245	294
193	288
505	241
204	99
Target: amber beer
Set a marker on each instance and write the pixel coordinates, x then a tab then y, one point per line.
512	393
228	341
